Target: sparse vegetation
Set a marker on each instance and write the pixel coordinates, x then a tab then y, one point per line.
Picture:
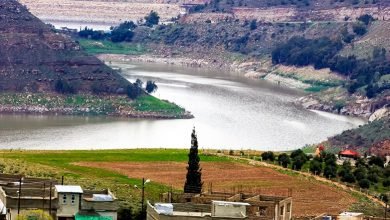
364	136
34	215
322	53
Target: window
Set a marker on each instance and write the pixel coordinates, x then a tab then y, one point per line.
262	211
64	199
288	207
73	199
282	210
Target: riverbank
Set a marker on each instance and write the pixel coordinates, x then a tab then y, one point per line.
291	77
324	87
304	78
90	105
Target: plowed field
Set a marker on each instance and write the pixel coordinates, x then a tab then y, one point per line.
309	197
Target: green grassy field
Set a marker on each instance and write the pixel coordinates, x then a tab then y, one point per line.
151	103
54	164
96	105
108	47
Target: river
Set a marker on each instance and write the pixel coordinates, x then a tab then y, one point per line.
231	112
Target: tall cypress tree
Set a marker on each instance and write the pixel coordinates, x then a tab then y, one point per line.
194	172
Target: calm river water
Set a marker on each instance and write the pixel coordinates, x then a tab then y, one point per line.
231	112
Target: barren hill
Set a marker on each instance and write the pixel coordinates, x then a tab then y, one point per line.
33	57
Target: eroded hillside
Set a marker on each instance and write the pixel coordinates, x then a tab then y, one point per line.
33	57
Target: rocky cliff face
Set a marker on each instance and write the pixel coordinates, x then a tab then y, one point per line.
33	57
345	104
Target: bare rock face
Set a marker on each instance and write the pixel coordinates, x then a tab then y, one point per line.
380	113
33	57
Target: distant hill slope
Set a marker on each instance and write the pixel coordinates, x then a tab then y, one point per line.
377	36
364	137
33	57
230	5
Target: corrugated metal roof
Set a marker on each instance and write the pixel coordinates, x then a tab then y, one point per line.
68	189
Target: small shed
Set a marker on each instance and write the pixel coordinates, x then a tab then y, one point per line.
349	154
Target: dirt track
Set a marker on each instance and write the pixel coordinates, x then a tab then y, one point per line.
309	197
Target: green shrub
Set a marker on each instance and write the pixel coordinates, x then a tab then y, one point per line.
133	91
152	19
359	29
348	177
34	215
360	173
315	167
330	171
62	86
284	160
386	182
373	177
269	155
378	161
366	19
364	183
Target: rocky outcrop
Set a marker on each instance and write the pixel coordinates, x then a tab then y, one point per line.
361	107
380	113
353	105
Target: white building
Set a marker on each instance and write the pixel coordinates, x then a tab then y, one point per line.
69	201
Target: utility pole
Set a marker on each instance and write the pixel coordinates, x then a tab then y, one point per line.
19	194
51	185
143	196
43	196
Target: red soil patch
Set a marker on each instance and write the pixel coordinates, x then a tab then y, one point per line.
309	197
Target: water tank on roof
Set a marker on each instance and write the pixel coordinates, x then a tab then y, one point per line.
164	208
102	198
